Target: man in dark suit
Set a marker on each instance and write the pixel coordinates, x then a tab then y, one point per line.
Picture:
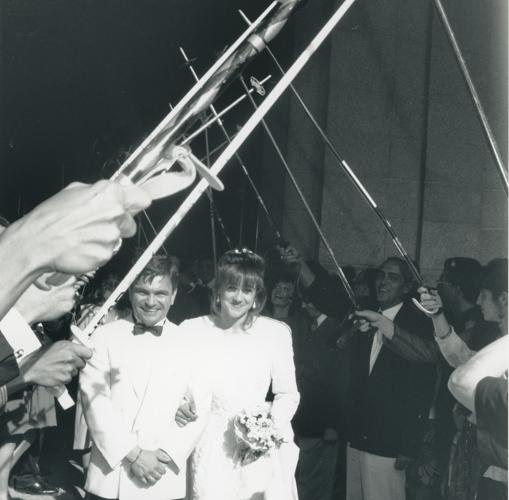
389	397
321	371
458	287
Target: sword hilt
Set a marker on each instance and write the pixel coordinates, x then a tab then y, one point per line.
429	312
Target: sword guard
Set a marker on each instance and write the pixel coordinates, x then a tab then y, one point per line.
259	88
428	312
212	179
160	182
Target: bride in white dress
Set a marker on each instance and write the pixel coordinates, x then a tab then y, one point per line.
245	352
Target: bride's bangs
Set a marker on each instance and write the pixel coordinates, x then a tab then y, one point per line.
236	276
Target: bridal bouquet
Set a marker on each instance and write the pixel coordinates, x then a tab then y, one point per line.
255	433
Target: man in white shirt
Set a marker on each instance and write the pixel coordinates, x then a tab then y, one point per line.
131	389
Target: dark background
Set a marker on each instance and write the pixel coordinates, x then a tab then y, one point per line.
83	82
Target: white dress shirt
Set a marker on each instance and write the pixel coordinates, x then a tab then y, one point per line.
318	321
378	337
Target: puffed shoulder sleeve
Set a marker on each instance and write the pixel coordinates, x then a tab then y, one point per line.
284	385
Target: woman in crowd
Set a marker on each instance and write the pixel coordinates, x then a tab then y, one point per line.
246	352
465	466
281	303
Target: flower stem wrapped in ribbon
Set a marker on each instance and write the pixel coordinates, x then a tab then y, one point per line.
256	433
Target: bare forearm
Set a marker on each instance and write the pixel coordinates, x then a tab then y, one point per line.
454	349
21	267
30	311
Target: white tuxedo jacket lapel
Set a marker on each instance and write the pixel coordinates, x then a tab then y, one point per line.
160	379
139	363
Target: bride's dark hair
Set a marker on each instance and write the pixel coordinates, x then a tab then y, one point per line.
240	266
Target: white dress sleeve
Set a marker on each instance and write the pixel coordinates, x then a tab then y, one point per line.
284	385
454	349
286	400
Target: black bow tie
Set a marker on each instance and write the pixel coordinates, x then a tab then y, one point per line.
140	329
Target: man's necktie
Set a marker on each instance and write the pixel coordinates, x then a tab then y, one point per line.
140	329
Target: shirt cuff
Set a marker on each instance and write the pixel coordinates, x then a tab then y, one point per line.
8	366
19	334
3	397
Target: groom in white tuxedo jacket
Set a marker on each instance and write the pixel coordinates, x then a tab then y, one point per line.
131	389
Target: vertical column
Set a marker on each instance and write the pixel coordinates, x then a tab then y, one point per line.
376	113
465	210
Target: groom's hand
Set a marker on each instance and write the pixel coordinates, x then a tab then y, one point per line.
149	467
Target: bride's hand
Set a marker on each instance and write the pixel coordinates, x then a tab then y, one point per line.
186	413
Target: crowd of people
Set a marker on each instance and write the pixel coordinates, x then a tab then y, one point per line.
381	401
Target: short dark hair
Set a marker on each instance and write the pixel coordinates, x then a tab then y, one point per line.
465	273
494	276
281	277
403	267
161	265
234	267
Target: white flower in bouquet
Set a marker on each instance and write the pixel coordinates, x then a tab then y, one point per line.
256	433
